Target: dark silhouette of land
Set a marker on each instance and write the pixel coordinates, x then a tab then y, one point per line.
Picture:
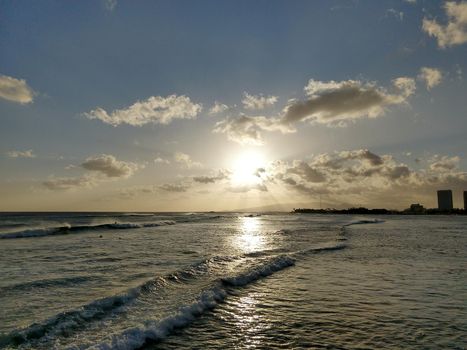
366	211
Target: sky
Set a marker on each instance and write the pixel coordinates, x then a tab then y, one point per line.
223	105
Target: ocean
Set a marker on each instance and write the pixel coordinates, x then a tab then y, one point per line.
232	281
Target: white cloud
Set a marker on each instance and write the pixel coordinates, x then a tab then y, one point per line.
110	4
21	154
186	161
431	77
160	160
218	108
254	102
399	15
454	32
444	163
459	72
110	166
156	110
246	130
15	90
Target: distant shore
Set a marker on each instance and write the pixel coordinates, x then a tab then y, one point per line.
366	211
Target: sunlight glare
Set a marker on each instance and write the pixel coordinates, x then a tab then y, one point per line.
245	168
250	238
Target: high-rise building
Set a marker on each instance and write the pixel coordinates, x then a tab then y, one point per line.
465	200
445	200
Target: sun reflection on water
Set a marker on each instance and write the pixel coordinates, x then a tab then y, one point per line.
250	238
248	323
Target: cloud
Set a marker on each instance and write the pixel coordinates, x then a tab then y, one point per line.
254	102
70	183
110	166
186	161
155	110
305	171
101	168
160	160
361	177
332	101
15	90
431	77
328	102
246	130
21	154
218	108
246	188
340	172
454	32
221	175
110	4
444	163
399	15
174	187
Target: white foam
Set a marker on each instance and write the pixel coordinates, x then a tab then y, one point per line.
273	265
157	330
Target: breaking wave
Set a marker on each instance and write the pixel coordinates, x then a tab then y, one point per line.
67	229
72	321
364	221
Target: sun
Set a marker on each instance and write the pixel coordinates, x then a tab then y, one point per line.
245	169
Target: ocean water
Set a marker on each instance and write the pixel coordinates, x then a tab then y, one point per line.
232	281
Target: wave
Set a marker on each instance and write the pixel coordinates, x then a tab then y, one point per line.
364	221
72	321
157	330
321	249
67	229
154	331
46	283
194	218
273	265
68	321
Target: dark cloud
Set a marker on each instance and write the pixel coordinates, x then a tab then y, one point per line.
174	187
327	103
332	101
205	179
